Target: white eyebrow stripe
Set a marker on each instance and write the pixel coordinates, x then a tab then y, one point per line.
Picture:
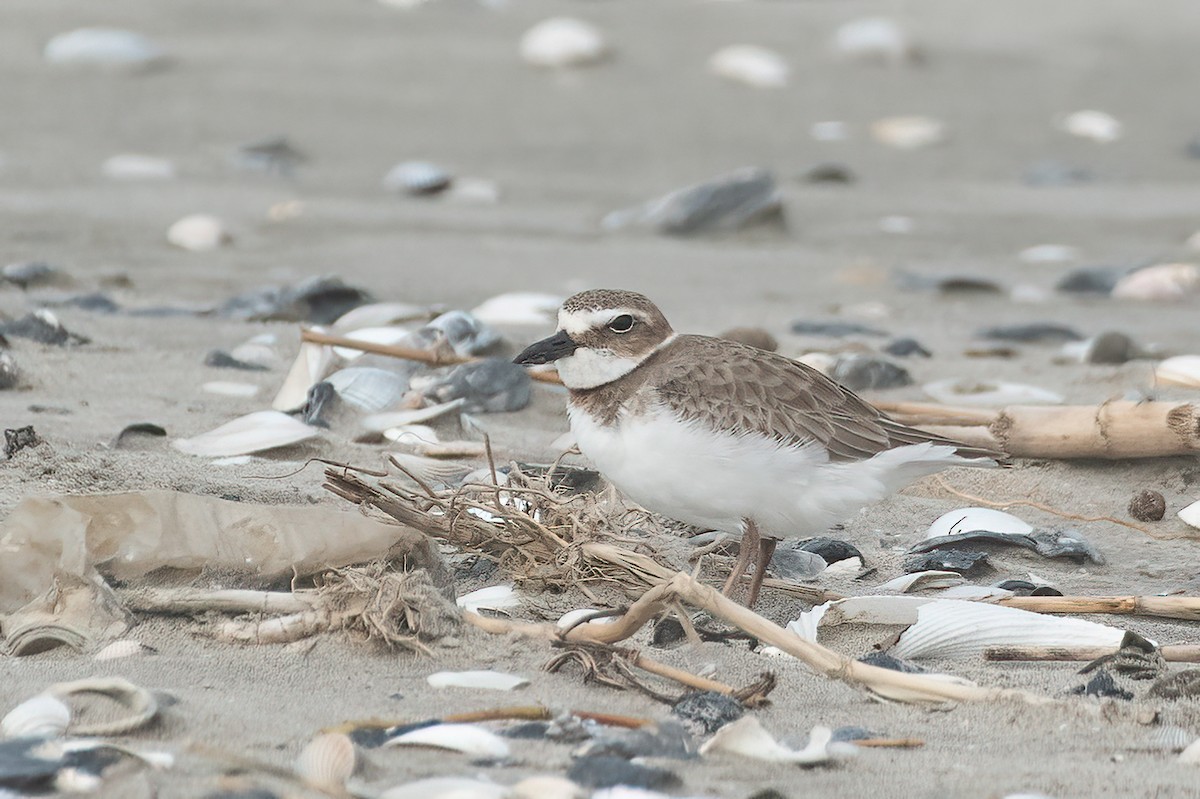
577	323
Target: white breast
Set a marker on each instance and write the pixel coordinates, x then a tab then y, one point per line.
688	473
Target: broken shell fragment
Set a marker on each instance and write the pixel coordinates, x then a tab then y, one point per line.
417	178
327	762
518	308
369	389
1191	515
486	680
1181	370
108	48
255	432
494	597
199	233
468	739
447	788
123	649
747	738
43	716
1162	282
909	132
751	65
562	42
966	520
1095	125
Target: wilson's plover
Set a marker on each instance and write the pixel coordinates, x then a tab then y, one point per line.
723	436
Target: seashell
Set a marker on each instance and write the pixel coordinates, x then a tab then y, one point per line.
518	308
122	649
466	334
418	178
980	392
750	64
137	167
833	551
1110	347
546	787
1182	370
574	617
886	609
381	422
877	39
140	705
43	716
380	314
953	560
255	432
412	434
948	628
228	389
920	581
1190	755
489	386
450	449
966	520
431	470
561	42
747	738
909	132
1191	515
1095	125
1049	254
743	198
1161	282
494	597
468	739
284	210
369	389
1169	739
327	762
104	47
485	680
831	130
447	788
310	367
199	233
10	375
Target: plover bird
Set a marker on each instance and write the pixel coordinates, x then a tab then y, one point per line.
723	436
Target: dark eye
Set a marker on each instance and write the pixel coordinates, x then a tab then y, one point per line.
622	324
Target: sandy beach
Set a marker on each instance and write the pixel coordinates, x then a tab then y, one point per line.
359	86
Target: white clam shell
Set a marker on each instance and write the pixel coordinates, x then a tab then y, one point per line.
1181	370
327	762
310	367
750	64
103	47
888	609
572	617
447	788
909	132
130	166
42	716
561	42
121	649
368	388
486	680
982	392
948	628
968	520
1162	282
412	434
469	739
255	432
519	308
874	39
1098	126
199	233
747	738
226	388
1191	515
494	597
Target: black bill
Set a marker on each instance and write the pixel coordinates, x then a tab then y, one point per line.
547	350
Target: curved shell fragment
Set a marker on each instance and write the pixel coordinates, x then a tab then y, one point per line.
468	739
255	432
486	680
747	738
969	520
751	65
42	716
1181	370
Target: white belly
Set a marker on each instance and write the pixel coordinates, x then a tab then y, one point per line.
692	475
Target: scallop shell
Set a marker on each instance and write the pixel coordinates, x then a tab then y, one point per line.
486	680
368	388
42	716
199	233
310	367
122	649
1191	515
561	42
1098	126
981	392
1170	739
966	520
909	132
877	39
494	597
948	628
226	388
1182	370
327	762
750	64
130	166
417	178
104	47
469	739
747	738
1160	282
255	432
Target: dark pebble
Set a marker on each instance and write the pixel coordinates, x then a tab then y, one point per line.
1181	685
868	372
124	438
953	560
705	712
1193	147
668	632
604	771
1148	506
948	284
793	563
223	360
42	328
1102	685
905	348
834	329
744	198
831	549
18	439
829	172
1034	332
1026	588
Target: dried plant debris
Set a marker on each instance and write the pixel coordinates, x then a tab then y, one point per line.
400	609
1181	685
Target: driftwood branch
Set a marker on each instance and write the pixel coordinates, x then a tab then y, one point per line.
1113	430
1167	607
1180	653
193	601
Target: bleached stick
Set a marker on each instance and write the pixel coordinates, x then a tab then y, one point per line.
1181	653
191	601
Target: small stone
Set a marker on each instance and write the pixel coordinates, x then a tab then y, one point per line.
707	711
605	771
1148	506
869	373
199	233
1034	332
1056	173
829	172
1103	686
834	328
1090	280
964	562
28	274
20	438
906	347
733	201
752	337
563	42
1098	126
